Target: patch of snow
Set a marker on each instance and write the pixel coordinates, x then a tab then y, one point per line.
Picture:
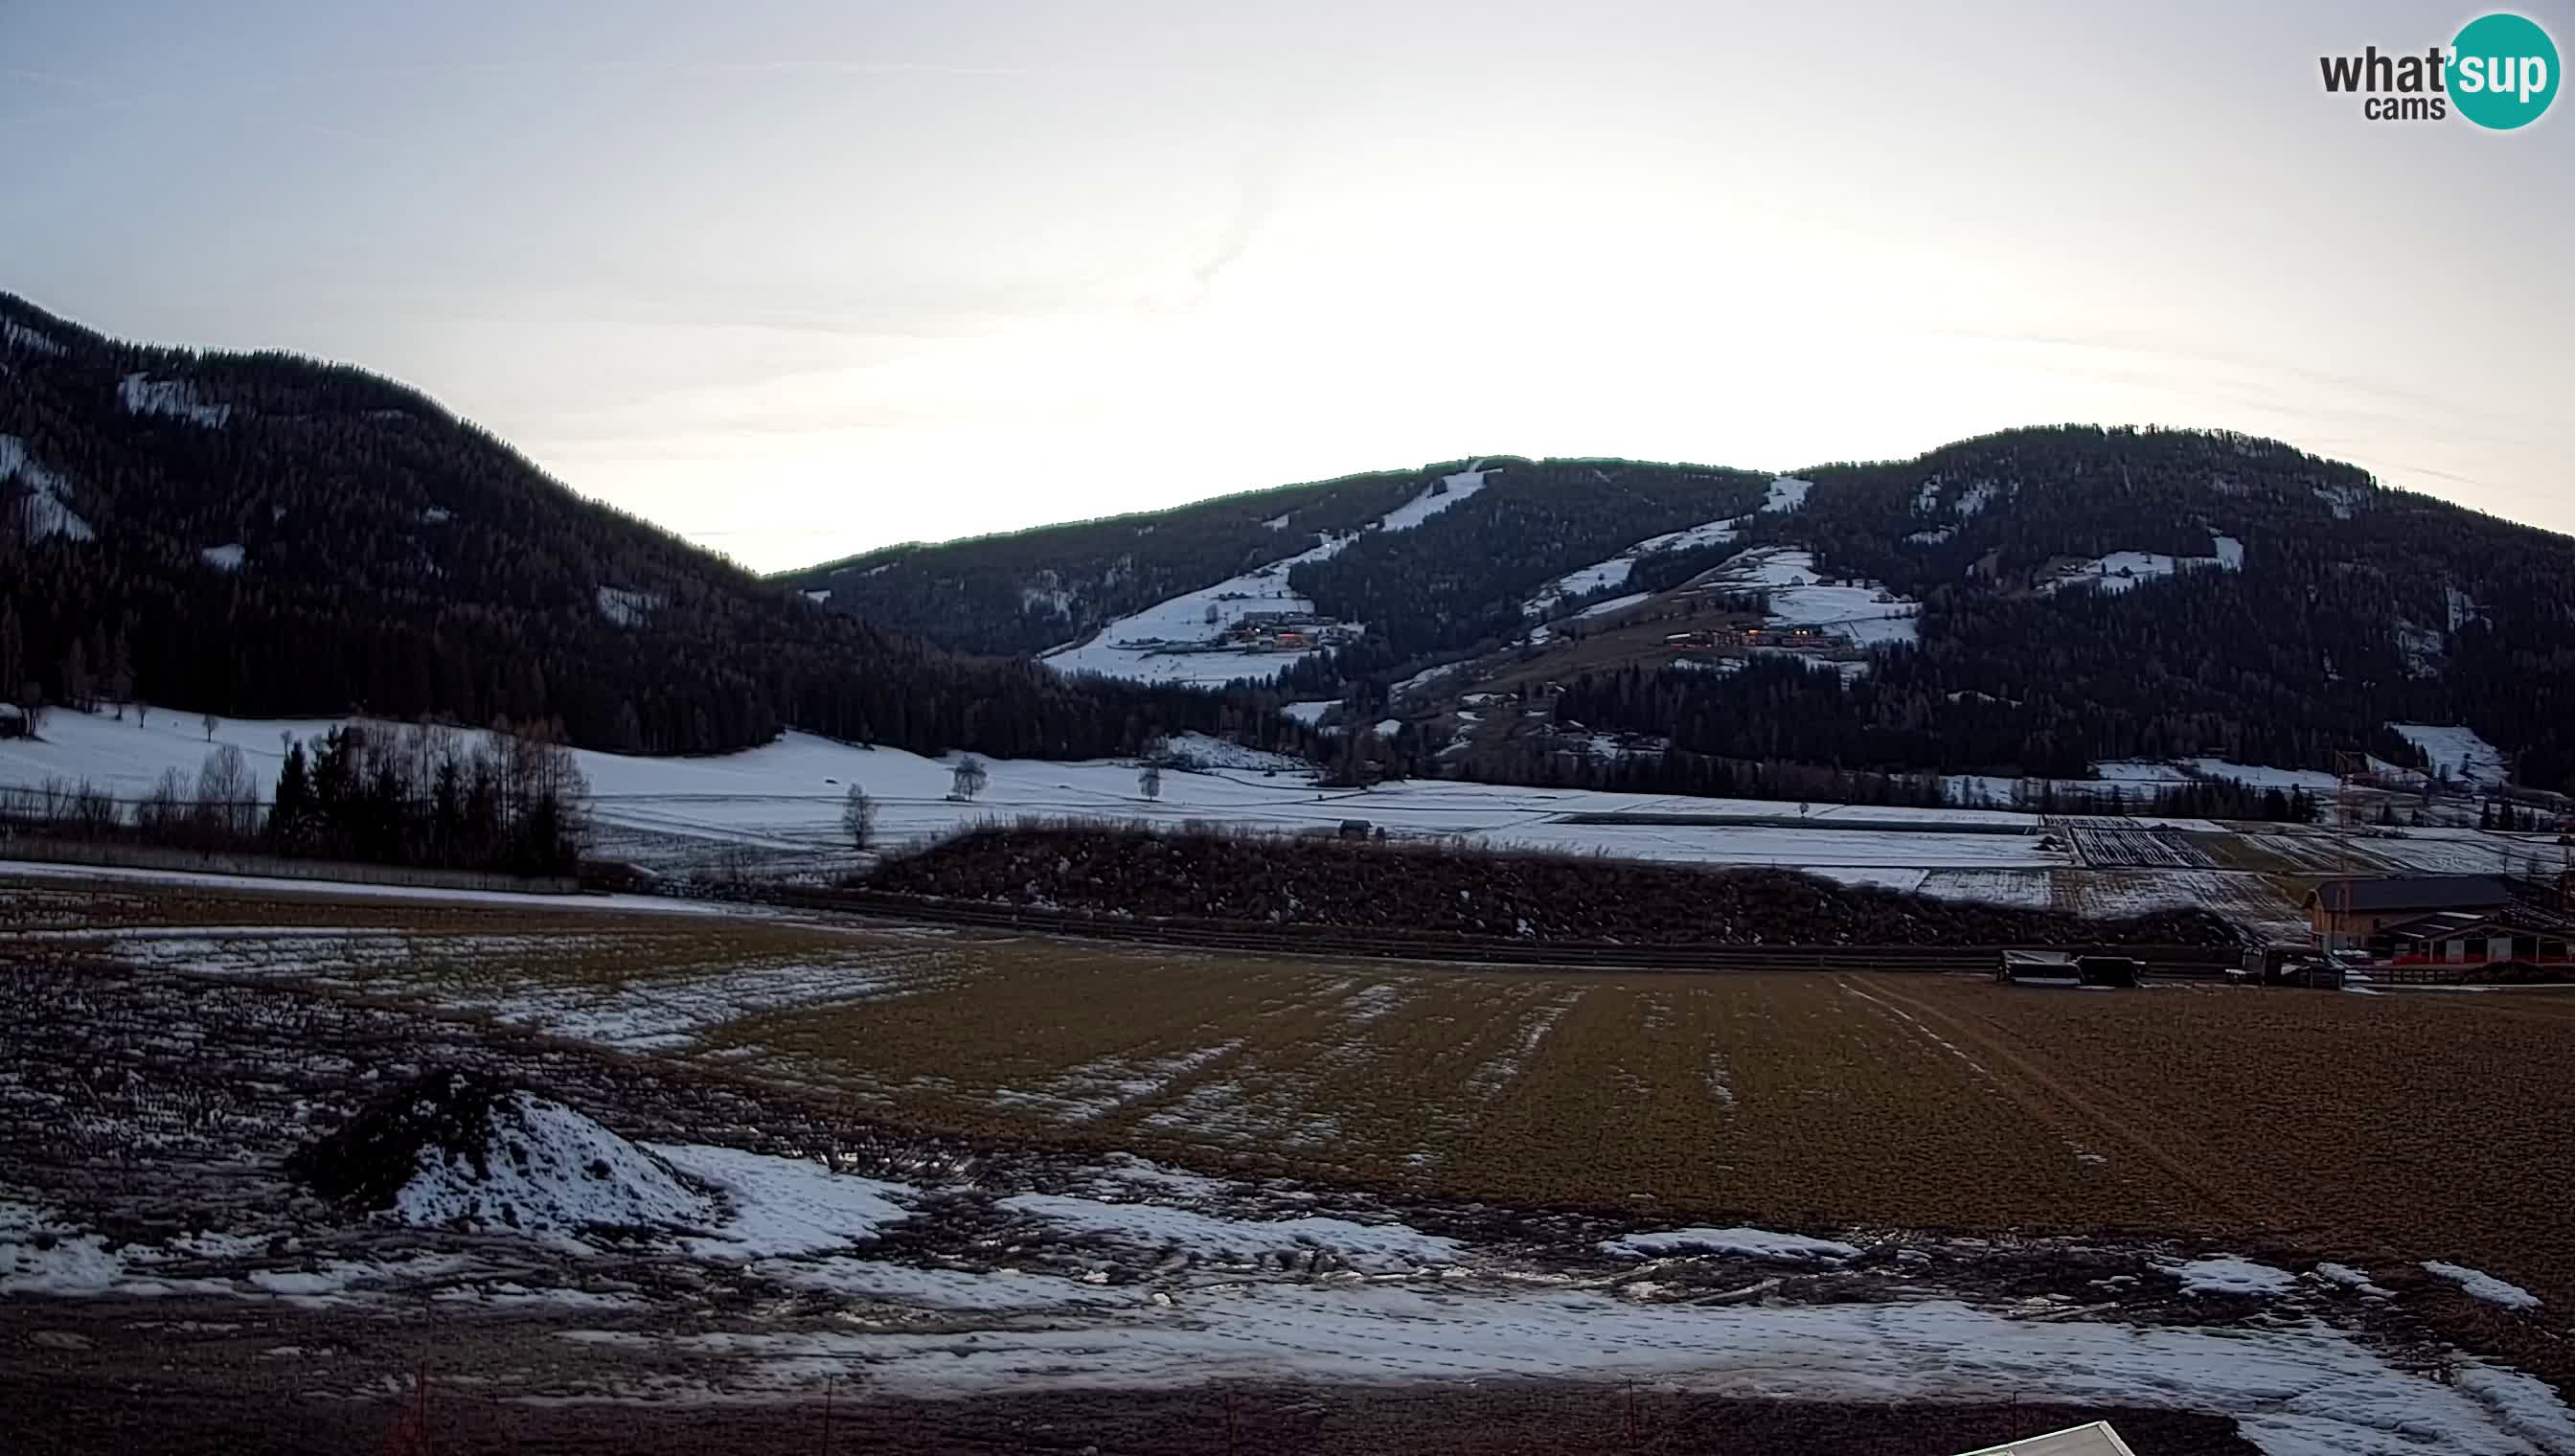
2463	608
48	513
19	336
996	1289
2483	1285
546	1170
1601	576
437	515
2470	760
1312	711
1276	522
785	1206
222	557
2420	646
819	596
2344	502
1932	538
2122	571
2349	1278
1371	1246
1614	604
1977	497
1787	494
2260	776
1799	597
1453	491
1388	728
176	398
623	607
1750	1243
2302	1389
1218	752
2225	1274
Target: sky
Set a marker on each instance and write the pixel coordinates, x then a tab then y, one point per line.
800	278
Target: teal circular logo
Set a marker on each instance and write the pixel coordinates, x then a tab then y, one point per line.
2503	71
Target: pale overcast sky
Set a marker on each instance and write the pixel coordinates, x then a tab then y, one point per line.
795	278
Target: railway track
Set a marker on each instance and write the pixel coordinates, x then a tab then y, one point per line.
2186	961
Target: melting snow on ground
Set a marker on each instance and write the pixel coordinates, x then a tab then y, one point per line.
1369	1246
2483	1285
222	557
1750	1243
2303	1390
2227	1275
783	1206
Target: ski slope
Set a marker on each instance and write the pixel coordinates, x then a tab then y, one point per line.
1137	647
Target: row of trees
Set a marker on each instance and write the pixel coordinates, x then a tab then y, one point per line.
510	800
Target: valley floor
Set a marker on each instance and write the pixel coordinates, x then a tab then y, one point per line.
774	814
1135	1199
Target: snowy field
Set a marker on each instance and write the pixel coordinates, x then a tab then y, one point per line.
777	809
1800	597
2470	761
687	1241
2122	571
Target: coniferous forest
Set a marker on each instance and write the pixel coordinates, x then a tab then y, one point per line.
264	535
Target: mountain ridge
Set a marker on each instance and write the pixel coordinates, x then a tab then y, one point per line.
2062	551
266	536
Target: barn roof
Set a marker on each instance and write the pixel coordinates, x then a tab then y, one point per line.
2412	893
2096	1439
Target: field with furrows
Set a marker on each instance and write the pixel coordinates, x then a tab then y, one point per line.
1796	1097
1533	1110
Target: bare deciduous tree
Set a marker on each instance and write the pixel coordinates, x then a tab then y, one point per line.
858	816
1151	781
968	778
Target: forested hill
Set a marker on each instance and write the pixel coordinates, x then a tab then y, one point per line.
260	534
1030	590
2298	609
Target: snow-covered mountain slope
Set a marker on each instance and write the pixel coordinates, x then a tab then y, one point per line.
1174	640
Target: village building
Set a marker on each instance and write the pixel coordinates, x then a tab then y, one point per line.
2345	915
